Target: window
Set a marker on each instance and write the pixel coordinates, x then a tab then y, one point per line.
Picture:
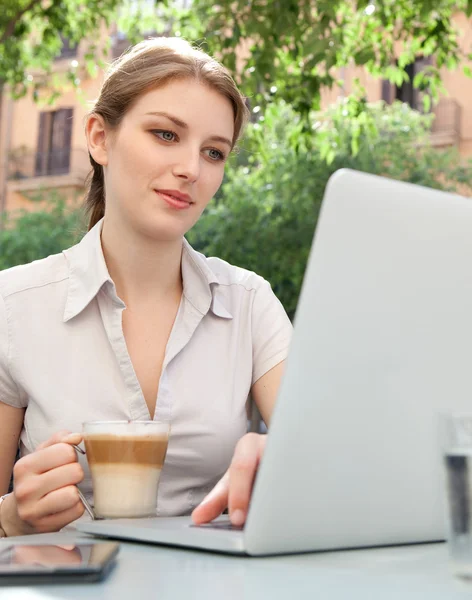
406	93
68	50
54	142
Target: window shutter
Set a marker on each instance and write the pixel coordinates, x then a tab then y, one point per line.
42	149
386	91
61	141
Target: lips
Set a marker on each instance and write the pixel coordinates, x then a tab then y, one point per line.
175	199
176	194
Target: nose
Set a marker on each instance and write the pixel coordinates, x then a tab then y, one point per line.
187	166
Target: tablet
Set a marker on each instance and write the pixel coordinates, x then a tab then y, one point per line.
25	563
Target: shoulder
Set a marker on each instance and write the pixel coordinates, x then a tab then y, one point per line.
36	274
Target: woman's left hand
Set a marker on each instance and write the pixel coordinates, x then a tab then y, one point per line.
233	491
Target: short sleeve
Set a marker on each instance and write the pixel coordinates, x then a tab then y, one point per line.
271	331
9	393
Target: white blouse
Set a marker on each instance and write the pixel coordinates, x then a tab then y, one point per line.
63	357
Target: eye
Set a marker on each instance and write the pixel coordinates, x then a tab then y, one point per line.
164	134
215	154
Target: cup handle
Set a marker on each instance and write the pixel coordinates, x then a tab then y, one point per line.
87	506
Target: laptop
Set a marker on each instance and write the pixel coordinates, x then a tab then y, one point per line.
382	344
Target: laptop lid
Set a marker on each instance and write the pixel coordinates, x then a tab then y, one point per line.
382	344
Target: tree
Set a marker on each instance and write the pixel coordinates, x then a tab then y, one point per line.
290	48
32	33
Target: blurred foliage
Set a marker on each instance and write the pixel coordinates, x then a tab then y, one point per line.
32	34
286	49
291	49
26	236
265	214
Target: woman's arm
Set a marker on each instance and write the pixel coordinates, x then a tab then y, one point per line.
265	389
11	424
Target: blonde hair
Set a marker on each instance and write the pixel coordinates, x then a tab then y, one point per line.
149	65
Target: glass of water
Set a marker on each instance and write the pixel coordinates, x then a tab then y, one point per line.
457	448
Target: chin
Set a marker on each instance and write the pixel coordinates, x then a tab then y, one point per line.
163	230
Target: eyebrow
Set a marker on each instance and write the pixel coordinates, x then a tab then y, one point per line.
183	125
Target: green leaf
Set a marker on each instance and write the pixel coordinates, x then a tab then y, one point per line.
426	103
330	157
355	145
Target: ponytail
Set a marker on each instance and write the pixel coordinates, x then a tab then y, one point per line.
95	197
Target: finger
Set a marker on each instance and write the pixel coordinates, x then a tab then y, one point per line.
73	438
214	504
54	439
62	436
34	509
46	459
242	473
60	477
33	488
57	521
56	502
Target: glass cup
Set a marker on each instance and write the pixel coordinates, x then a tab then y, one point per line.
457	450
125	460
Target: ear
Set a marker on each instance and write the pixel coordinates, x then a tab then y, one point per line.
97	137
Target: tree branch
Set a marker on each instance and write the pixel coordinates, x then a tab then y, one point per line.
10	28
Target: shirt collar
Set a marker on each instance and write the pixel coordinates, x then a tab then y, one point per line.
88	274
201	284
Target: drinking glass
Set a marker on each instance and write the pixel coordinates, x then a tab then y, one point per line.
457	451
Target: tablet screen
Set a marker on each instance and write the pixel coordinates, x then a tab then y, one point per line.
30	558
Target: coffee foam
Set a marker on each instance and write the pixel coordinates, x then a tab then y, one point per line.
126	429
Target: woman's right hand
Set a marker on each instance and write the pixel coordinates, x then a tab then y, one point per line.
45	497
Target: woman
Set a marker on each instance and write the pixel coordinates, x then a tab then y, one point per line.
132	323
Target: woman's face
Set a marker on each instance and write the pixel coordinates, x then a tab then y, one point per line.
166	160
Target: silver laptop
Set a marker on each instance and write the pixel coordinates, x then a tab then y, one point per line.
382	344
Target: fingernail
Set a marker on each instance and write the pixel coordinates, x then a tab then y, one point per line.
71	436
237	517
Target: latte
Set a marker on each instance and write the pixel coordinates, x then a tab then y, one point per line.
125	461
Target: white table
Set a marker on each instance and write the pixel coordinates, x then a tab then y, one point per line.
145	572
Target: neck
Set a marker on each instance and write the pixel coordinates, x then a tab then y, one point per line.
143	269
